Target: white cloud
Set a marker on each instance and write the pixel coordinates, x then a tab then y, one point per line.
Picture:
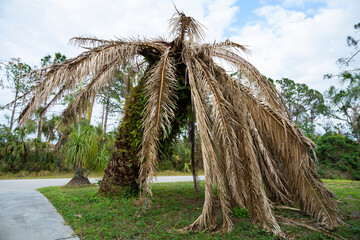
32	29
36	28
300	3
288	43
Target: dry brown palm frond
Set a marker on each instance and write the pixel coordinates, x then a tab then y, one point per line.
207	219
56	98
76	70
81	101
158	114
224	129
257	202
295	161
182	25
264	88
270	172
226	45
256	199
91	42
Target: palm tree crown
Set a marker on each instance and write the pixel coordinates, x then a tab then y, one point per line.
248	140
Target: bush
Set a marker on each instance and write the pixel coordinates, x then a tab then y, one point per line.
338	155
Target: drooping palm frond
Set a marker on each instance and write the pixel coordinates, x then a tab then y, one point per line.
100	62
207	219
251	149
158	113
80	103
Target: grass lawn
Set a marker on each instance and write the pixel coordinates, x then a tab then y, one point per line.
48	174
176	205
44	175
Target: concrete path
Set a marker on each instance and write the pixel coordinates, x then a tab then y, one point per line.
25	214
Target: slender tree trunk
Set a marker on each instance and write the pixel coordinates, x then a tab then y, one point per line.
102	115
40	127
106	110
90	110
192	157
14	108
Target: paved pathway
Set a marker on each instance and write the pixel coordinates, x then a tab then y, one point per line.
25	214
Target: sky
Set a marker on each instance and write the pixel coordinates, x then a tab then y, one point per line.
297	39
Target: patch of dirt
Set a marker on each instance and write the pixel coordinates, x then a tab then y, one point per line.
191	201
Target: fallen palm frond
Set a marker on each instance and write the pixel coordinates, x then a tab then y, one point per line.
293	222
251	149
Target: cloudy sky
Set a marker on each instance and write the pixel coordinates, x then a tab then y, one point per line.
298	39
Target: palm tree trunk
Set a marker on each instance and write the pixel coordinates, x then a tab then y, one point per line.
79	179
122	172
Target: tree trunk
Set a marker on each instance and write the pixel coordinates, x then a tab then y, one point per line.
90	108
79	179
192	157
106	110
40	127
14	108
122	172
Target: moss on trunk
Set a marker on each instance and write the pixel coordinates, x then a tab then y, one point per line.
122	172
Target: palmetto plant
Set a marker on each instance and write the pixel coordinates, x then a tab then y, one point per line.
85	150
251	149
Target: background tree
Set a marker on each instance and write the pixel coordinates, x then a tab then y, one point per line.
111	97
346	107
15	69
345	101
47	61
338	155
305	105
15	146
85	151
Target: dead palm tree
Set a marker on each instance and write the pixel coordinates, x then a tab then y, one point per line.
251	149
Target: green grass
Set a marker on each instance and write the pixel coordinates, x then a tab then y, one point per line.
48	174
43	175
176	205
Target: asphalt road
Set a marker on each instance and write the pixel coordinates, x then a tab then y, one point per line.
25	214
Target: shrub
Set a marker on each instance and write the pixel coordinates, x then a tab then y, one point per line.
340	153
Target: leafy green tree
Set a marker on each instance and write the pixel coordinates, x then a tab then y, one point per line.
345	101
338	152
111	97
15	146
40	113
49	60
354	44
305	105
346	107
85	151
15	71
